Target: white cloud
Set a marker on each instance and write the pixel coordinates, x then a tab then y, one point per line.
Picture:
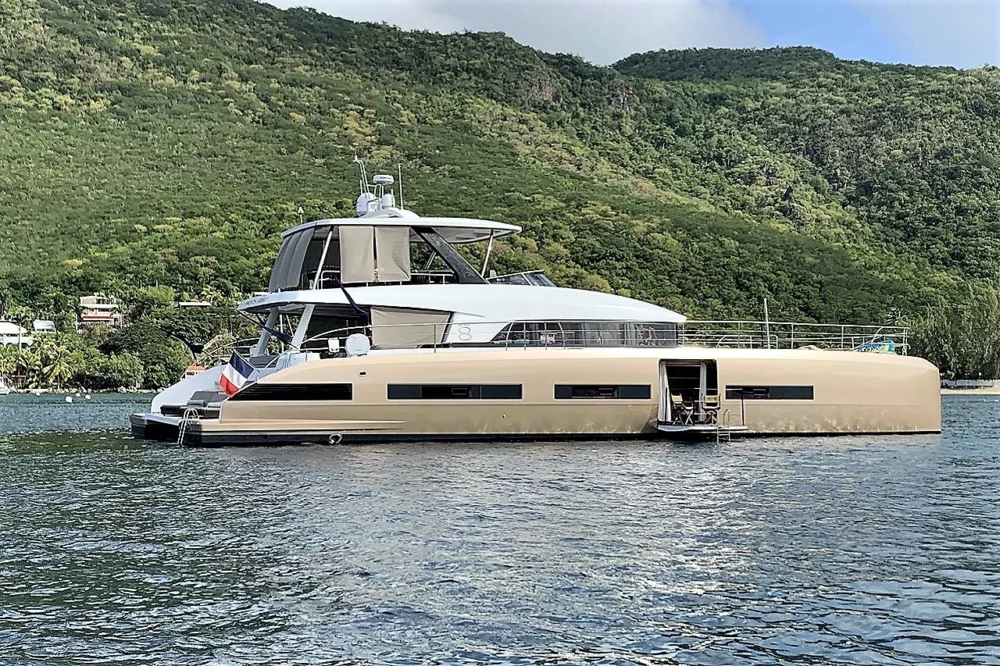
965	33
602	31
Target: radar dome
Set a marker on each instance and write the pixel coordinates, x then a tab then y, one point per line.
365	203
358	344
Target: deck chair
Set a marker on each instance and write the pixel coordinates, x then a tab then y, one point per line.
682	411
710	407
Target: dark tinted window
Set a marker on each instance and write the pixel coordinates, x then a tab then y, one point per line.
265	392
769	393
444	392
501	391
453	391
602	391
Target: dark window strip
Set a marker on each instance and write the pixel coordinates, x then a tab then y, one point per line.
267	392
454	391
603	391
769	393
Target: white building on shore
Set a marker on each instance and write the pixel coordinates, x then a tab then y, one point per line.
43	326
14	334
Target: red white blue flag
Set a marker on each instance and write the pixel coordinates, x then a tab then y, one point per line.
235	374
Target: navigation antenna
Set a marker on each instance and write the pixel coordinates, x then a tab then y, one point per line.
365	200
364	173
399	167
767	326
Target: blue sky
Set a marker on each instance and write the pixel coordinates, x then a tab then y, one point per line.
834	25
961	33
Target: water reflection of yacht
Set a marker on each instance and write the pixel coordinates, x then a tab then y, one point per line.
380	328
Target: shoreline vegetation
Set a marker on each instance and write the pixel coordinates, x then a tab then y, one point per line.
152	351
76	393
161	340
154	152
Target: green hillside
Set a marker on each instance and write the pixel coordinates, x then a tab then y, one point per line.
169	142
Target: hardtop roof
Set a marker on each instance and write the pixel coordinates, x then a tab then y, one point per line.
455	230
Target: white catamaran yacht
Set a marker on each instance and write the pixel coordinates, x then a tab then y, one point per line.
378	328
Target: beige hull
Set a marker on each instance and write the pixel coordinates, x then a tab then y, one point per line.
848	392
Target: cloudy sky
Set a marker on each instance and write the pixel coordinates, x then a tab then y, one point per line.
963	33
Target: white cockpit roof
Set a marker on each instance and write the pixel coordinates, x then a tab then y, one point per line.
455	230
478	302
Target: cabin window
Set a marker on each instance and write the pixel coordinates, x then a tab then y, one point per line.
603	391
588	334
273	392
325	276
287	271
769	393
465	273
454	391
330	322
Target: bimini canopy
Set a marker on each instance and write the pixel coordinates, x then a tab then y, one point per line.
454	230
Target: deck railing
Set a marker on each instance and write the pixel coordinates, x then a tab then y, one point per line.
577	334
560	334
794	335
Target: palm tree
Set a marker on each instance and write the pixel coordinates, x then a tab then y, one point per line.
8	362
46	349
58	368
28	365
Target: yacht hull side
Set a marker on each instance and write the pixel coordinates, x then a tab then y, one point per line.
531	394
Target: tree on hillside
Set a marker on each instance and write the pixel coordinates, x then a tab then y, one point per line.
169	144
962	337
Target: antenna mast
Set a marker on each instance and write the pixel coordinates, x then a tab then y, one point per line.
399	167
364	173
767	326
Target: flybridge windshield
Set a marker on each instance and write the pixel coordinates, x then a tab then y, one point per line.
324	257
530	278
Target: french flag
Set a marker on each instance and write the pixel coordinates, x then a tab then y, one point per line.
236	373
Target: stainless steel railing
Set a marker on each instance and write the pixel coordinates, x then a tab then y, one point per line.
577	334
794	335
571	334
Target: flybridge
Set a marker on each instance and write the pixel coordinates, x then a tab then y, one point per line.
382	245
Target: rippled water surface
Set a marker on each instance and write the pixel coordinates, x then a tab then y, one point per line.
870	550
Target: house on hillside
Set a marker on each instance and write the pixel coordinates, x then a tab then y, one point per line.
43	326
14	334
96	310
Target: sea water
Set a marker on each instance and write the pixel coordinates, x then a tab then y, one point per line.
869	550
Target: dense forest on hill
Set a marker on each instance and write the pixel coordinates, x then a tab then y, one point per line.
154	150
